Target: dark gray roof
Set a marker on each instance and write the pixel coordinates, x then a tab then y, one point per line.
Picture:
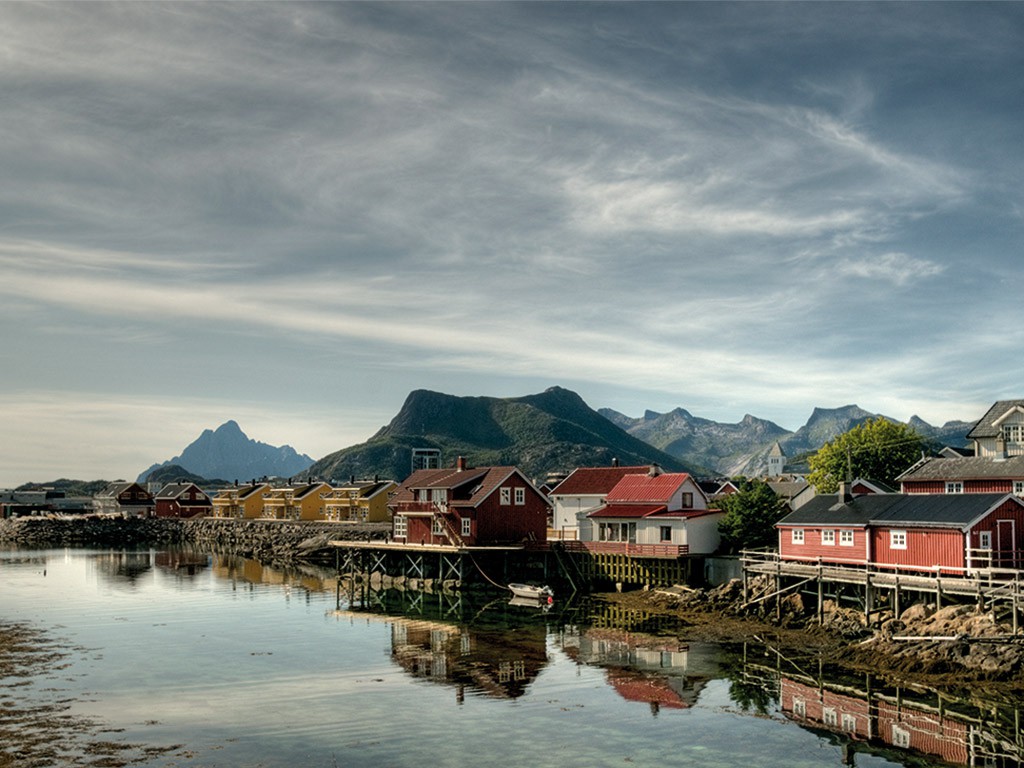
942	509
986	426
966	468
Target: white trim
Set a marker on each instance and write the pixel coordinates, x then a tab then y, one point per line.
828	537
846	537
797	536
897	539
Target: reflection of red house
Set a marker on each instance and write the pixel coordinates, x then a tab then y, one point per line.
182	500
894	724
466	506
633	685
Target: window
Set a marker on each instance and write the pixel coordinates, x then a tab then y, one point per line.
799	707
954	487
900	737
897	539
828	716
467	526
1018	487
828	538
846	538
797	536
437	528
401	526
520	496
687	500
666	533
505	496
849	723
1013	433
985	539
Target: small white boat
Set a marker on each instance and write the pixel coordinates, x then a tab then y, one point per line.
532	592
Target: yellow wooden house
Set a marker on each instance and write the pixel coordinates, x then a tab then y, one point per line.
360	501
296	502
240	501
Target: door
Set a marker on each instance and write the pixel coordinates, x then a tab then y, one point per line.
1006	544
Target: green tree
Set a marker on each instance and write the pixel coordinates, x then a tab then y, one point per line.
750	516
878	449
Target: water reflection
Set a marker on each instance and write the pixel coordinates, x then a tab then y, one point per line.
654	670
915	725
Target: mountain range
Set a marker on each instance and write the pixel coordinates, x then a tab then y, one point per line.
742	448
228	453
549	432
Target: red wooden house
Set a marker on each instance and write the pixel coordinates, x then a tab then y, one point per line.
465	506
182	500
955	533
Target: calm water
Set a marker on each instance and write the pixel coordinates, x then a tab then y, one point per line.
245	665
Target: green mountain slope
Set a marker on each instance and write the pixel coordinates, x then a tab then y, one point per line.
553	431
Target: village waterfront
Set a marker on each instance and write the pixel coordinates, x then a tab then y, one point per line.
178	656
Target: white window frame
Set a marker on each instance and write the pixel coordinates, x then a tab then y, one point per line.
467	526
829	716
1018	487
505	496
828	537
401	527
800	708
897	539
849	722
796	536
846	537
900	736
436	526
520	496
984	539
954	486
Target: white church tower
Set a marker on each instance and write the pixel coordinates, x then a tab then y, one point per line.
776	460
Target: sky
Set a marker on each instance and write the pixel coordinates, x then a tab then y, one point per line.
292	215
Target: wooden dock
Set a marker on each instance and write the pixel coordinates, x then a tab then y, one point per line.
987	587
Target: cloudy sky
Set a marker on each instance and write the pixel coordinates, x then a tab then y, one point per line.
292	215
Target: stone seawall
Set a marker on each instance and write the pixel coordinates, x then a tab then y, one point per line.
266	540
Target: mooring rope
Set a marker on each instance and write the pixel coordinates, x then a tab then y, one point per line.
492	581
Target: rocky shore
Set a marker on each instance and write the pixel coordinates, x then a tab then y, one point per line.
954	645
270	541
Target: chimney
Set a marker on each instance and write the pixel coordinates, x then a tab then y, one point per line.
460	464
843	493
654	471
615	461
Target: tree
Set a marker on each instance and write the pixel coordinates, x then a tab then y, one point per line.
878	449
750	516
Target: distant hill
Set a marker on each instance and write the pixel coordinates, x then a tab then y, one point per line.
742	448
228	453
69	487
551	431
701	442
172	473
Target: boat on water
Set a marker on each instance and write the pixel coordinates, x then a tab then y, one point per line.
532	592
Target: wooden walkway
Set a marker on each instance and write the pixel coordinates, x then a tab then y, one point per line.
985	586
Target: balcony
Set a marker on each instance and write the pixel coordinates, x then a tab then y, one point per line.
672	551
416	508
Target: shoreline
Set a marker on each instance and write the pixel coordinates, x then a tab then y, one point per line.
960	645
974	659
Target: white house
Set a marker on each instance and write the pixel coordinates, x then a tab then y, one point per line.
666	510
582	492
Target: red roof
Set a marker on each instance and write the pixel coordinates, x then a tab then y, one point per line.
482	482
644	488
650	510
595	481
627	510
